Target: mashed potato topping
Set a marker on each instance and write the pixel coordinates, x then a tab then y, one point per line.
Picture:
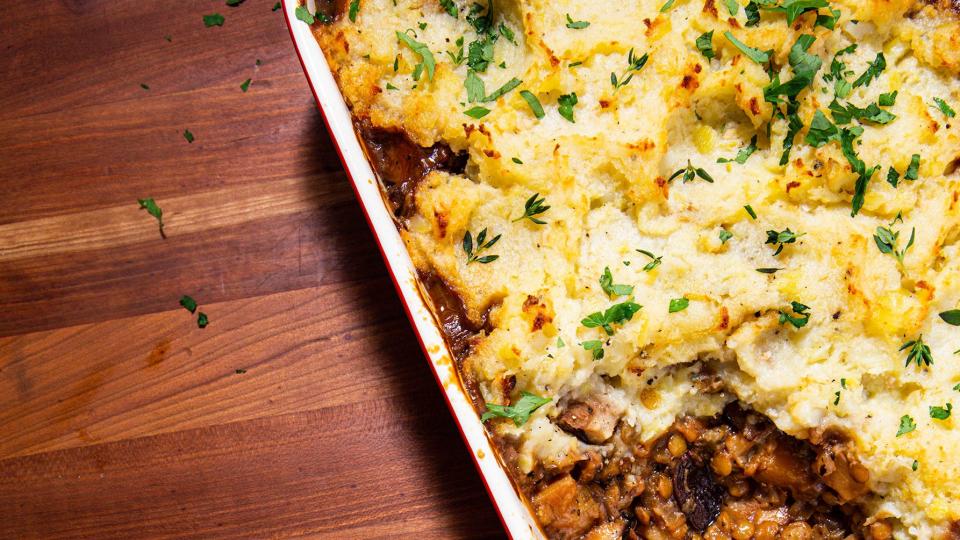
767	193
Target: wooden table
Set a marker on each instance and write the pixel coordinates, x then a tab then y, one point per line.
306	406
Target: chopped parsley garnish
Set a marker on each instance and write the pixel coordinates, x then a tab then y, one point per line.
794	125
888	99
821	131
951	317
534	207
743	154
476	90
836	397
893	177
450	8
800	317
654	260
725	235
303	14
794	8
202	320
188	303
507	33
595	346
750	211
533	102
941	413
477	112
913	170
847	137
805	66
188	135
560	343
873	71
508	86
756	55
391	87
871	113
753	13
886	240
482	245
666	6
217	19
519	412
838	73
634	65
705	44
915	465
565	104
576	25
426	57
906	425
516	160
944	107
690	172
732	6
781	238
245	85
919	352
456	56
678	304
611	288
354	9
768	270
615	314
151	207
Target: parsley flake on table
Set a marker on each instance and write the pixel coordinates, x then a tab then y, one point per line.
214	19
576	25
944	107
533	102
144	86
188	303
519	412
482	245
534	207
615	314
678	304
919	352
565	104
800	317
276	7
941	413
612	289
245	85
202	320
151	207
906	425
188	135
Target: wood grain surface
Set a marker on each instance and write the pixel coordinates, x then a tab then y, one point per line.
305	408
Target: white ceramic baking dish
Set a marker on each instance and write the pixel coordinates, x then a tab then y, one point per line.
515	514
